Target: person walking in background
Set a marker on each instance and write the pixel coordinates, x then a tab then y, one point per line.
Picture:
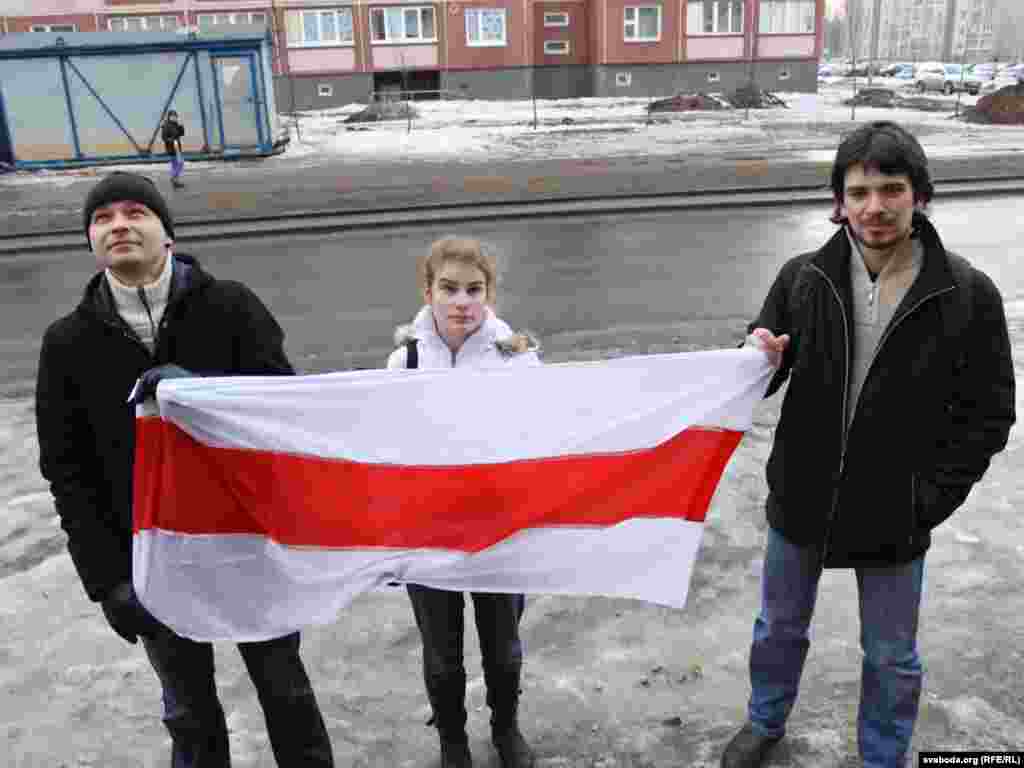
156	314
901	390
172	133
458	329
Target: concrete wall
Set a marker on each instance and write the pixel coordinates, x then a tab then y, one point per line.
662	80
803	76
472	84
346	89
570	82
489	83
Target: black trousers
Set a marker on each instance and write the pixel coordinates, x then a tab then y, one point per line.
194	717
440	618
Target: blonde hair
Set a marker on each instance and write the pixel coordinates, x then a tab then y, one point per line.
463	250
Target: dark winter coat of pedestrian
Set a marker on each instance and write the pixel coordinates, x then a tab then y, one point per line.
456	329
155	314
901	390
172	133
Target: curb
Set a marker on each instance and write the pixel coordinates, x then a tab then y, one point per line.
323	222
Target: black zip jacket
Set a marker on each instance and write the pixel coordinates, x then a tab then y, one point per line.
89	362
170	134
937	404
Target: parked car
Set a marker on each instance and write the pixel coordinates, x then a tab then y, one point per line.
947	78
897	69
1013	75
984	71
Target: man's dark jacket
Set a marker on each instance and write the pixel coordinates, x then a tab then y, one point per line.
937	404
89	362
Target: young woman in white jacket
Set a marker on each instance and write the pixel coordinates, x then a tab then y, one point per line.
458	328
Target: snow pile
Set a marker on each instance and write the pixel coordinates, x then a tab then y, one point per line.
484	131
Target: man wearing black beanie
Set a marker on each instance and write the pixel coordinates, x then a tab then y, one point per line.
151	313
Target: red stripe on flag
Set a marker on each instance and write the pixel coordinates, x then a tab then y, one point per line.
184	486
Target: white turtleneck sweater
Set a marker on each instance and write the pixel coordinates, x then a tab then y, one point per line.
143	307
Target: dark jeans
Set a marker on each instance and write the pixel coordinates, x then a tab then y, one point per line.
440	618
194	716
890	600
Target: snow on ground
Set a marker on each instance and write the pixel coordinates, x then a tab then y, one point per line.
477	130
577	128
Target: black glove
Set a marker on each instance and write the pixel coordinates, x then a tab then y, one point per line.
127	616
148	380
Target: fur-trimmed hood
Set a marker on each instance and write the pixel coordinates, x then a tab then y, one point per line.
494	338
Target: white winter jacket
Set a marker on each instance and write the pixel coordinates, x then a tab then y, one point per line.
491	345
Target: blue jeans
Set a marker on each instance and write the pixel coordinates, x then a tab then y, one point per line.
194	717
440	617
177	165
890	598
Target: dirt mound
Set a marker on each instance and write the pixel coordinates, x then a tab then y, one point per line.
1004	107
873	97
383	110
925	104
751	96
687	102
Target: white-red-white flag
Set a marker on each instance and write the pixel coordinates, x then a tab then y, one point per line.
266	504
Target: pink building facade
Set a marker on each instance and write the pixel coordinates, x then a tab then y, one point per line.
329	53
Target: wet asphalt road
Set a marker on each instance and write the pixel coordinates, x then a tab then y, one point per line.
692	277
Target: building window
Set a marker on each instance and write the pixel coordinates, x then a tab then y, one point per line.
142	23
642	23
714	17
402	25
324	90
209	20
787	17
556	19
623	79
54	28
308	29
556	47
486	26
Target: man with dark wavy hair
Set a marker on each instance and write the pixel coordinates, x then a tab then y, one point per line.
901	389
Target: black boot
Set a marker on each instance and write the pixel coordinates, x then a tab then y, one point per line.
455	753
513	751
503	699
748	748
448	700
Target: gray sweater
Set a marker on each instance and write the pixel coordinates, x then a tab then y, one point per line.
874	304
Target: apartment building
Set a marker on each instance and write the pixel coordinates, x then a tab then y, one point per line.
330	53
923	30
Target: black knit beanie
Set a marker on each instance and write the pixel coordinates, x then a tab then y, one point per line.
122	185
